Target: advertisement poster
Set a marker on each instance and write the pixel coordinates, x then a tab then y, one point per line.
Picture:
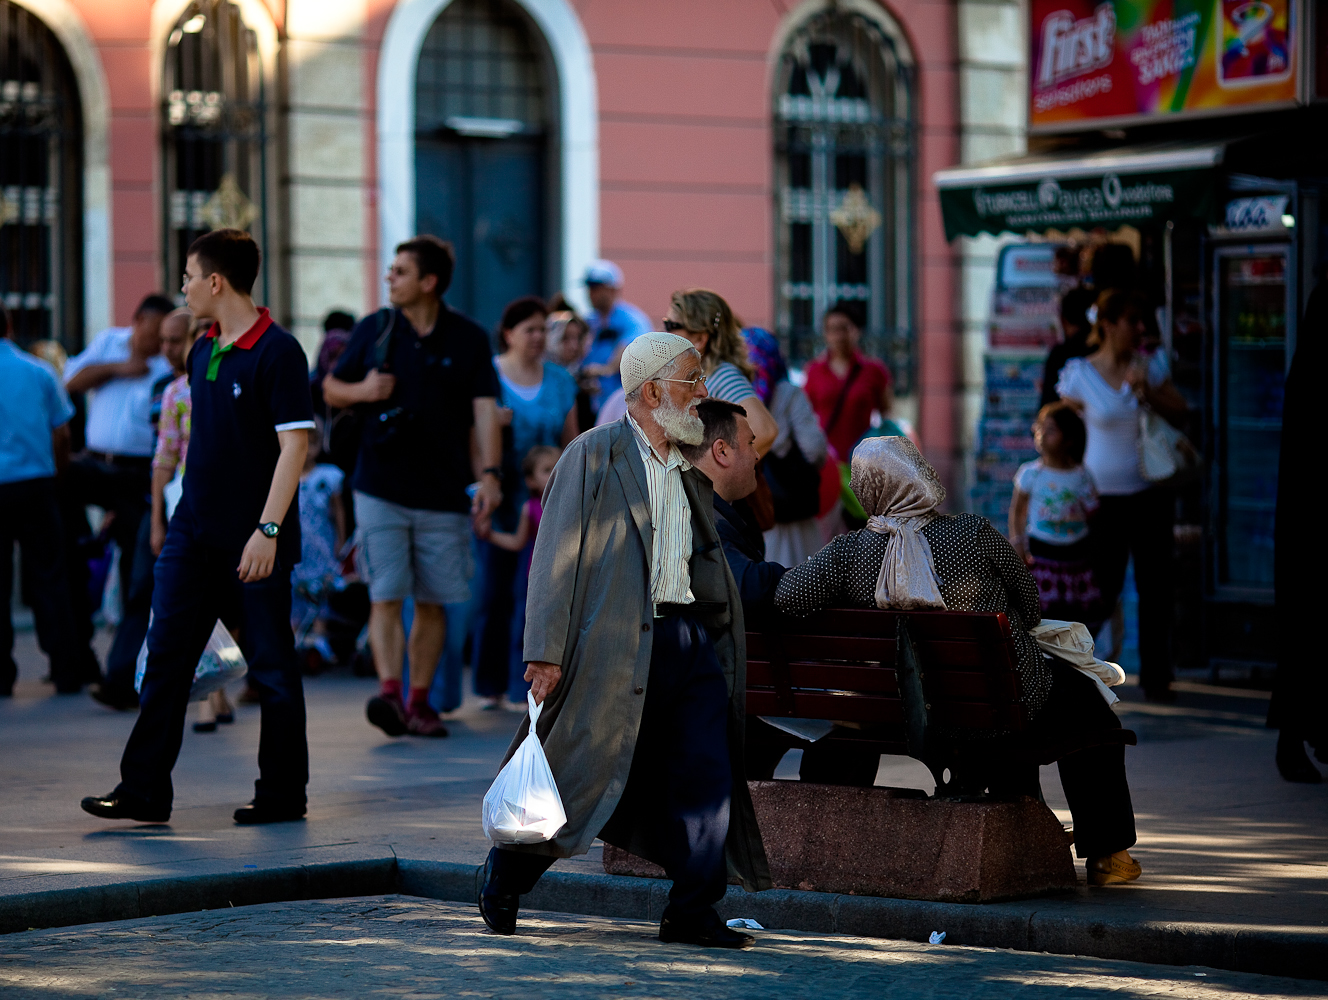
1134	59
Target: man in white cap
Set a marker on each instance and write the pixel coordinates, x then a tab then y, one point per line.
635	646
613	325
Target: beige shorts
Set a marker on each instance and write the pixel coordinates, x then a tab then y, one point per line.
404	552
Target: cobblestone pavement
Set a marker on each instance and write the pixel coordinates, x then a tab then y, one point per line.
399	946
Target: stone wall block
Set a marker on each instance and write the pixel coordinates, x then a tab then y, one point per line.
992	34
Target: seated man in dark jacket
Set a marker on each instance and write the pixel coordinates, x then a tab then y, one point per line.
727	454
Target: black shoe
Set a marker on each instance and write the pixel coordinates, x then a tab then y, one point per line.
121	701
498	910
225	718
205	727
388	714
260	812
121	806
1293	763
716	936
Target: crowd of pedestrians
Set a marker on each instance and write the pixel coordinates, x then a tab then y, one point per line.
370	509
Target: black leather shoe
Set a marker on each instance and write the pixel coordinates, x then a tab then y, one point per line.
718	936
123	807
118	700
1293	763
498	910
260	812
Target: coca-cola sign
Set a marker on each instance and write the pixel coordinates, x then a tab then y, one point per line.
1130	60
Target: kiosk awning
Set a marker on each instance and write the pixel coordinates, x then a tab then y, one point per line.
1109	188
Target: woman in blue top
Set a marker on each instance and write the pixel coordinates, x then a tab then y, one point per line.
539	397
538	407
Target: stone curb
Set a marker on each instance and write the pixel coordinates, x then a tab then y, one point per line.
1032	925
191	893
1058	927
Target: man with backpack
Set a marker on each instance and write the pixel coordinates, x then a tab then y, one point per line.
422	376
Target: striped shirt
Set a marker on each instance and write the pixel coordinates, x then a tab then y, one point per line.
671	517
727	382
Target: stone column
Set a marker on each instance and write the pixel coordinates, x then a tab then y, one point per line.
993	113
325	181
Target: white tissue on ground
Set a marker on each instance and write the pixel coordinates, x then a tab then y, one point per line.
745	923
936	937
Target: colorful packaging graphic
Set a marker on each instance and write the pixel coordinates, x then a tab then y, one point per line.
1255	36
1133	59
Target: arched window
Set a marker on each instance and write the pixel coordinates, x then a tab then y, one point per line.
844	151
41	171
483	117
213	132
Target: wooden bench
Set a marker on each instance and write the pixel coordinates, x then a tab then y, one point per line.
938	686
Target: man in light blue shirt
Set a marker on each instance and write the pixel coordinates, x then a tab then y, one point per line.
34	440
119	373
613	325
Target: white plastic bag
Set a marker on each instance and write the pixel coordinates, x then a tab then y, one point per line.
522	805
221	663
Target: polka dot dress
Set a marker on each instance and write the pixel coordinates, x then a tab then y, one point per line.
979	571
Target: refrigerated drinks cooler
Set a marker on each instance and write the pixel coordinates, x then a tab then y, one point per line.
1254	300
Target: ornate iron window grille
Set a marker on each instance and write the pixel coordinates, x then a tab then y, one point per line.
41	159
845	149
214	134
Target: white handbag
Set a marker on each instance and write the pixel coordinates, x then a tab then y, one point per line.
1164	451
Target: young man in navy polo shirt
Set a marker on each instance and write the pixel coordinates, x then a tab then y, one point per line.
231	544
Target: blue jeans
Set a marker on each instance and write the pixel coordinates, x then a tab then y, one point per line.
196	584
137	608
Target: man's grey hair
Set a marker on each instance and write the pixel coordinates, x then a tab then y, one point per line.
668	371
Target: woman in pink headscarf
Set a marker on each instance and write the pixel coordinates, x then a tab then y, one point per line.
912	557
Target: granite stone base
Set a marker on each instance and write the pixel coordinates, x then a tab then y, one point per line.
896	843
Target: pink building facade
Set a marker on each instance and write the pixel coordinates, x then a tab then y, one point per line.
694	142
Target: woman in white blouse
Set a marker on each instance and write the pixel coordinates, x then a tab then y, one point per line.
1136	516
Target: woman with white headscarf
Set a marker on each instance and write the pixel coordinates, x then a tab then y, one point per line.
912	557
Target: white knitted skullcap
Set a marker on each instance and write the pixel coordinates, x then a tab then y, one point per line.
649	353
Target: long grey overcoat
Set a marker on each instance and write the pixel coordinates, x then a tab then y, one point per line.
589	609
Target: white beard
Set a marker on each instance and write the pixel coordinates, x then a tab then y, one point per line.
679	426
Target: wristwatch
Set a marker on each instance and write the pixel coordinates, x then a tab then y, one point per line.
494	471
270	529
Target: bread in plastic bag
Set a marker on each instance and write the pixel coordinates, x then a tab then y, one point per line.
221	663
522	805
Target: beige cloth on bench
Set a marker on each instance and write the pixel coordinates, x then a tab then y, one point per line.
1073	643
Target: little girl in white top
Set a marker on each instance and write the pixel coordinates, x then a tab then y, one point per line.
1054	499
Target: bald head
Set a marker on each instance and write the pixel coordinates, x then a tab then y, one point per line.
177	336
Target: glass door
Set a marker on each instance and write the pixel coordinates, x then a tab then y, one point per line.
1253	295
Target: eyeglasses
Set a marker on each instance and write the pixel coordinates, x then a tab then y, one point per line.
672	326
689	382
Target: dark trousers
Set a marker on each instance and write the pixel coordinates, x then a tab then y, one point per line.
493	620
135	613
679	785
119	489
824	763
1094	781
30	515
196	584
1140	525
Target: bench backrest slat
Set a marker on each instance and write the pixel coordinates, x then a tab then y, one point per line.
840	664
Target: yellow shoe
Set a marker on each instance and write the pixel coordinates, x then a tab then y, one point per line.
1110	870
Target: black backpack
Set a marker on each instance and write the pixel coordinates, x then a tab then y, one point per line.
795	485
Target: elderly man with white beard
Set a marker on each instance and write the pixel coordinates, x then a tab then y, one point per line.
635	644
